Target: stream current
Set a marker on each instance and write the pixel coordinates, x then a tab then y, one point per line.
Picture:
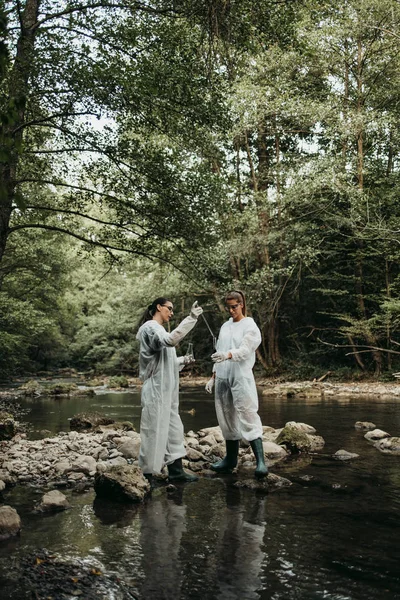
334	534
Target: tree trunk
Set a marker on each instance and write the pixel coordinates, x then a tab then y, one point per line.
12	132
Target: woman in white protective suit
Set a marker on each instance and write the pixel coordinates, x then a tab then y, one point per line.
236	399
161	428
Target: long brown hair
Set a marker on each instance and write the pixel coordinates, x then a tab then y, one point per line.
239	297
152	309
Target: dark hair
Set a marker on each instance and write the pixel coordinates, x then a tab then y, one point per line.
152	309
239	296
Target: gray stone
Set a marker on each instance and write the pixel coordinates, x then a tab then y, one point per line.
194	455
344	455
376	434
364	426
53	501
125	483
10	522
269	484
274	451
301	426
389	445
84	464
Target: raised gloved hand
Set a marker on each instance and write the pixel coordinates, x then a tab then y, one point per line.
195	311
220	356
210	385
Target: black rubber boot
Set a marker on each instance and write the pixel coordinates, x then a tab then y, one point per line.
227	464
261	469
176	472
149	477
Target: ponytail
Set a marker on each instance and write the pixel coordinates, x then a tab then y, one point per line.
152	309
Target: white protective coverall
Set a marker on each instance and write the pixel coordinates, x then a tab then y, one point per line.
161	428
236	399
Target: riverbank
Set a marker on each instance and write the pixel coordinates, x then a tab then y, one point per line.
267	387
272	387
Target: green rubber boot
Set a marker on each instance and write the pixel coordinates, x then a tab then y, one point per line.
149	477
261	469
227	464
176	472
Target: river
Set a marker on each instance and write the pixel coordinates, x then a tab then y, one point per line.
333	535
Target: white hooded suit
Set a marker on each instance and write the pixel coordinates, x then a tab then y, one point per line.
161	428
236	398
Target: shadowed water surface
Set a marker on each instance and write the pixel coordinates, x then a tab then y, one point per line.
332	535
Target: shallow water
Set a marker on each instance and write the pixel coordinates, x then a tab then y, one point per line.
334	537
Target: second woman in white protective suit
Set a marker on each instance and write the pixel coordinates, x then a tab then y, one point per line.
161	428
236	398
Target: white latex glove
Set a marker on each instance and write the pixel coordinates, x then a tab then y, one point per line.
220	356
195	311
210	385
188	359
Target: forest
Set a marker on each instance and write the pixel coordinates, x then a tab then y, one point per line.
185	148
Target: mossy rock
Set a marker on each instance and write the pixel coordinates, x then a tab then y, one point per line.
294	440
8	427
89	421
118	381
32	388
59	389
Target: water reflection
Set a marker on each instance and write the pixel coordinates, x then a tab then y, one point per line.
162	525
239	552
211	541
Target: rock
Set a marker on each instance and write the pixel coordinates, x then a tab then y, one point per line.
84	464
125	483
317	442
208	440
53	501
294	440
194	455
376	434
89	421
2	486
269	484
389	445
301	427
130	448
10	522
31	388
274	451
8	427
364	425
215	431
344	455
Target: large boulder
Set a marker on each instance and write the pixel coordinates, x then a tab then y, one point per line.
294	439
10	522
125	483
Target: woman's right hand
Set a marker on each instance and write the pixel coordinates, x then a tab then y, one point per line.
195	311
210	385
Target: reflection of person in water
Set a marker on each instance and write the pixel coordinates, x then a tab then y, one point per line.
239	551
162	524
